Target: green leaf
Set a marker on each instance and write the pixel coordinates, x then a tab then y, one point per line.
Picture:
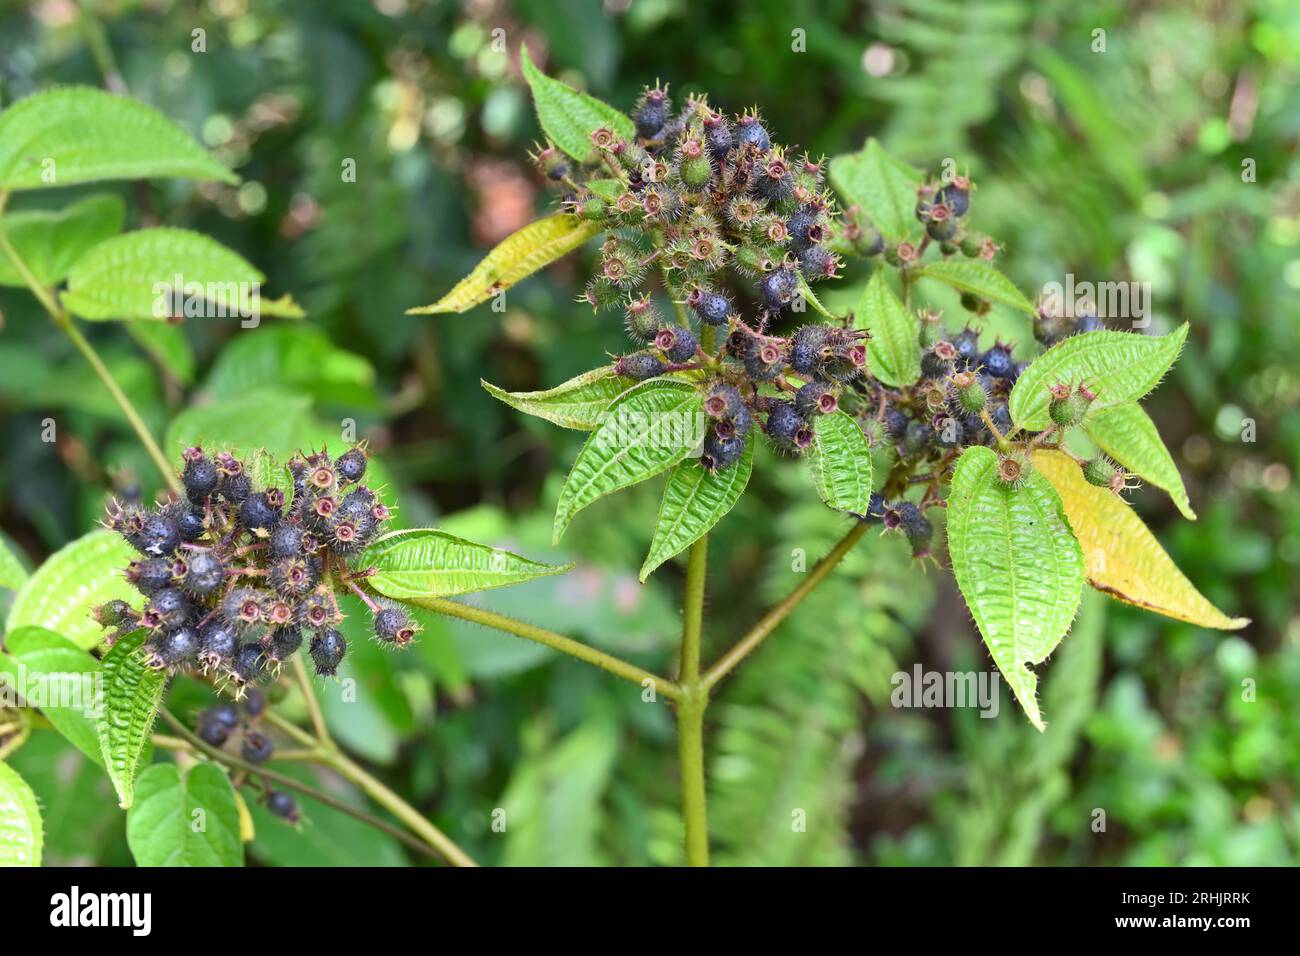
52	673
78	134
894	348
129	277
1018	565
883	186
606	189
979	278
297	357
424	563
516	257
695	499
132	692
12	572
578	403
1119	367
80	575
646	431
187	819
840	460
810	297
21	833
567	116
279	421
50	241
167	345
1127	434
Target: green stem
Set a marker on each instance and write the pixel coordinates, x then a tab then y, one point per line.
313	705
690	710
64	321
746	645
558	642
399	808
290	783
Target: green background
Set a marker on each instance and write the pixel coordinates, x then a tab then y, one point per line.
1125	164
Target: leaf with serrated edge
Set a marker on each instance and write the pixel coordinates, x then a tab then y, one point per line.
578	403
125	277
76	578
1118	367
882	186
695	499
568	116
68	677
12	572
1121	555
894	348
1018	566
160	826
132	692
21	832
516	257
422	562
840	461
1127	434
50	241
979	278
646	431
79	134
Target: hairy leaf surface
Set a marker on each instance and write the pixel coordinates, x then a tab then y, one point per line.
1127	434
1121	555
1119	367
422	562
894	349
142	274
695	499
515	258
21	832
882	186
80	575
184	819
50	241
132	693
54	674
79	134
840	461
646	431
568	116
1018	566
578	403
978	278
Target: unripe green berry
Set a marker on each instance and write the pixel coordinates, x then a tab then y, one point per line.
1068	406
970	393
932	330
1100	471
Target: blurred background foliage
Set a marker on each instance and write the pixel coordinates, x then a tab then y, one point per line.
1114	165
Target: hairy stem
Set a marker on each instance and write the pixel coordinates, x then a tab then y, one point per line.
690	710
558	642
65	322
746	645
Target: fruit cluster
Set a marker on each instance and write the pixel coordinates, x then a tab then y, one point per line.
235	579
693	195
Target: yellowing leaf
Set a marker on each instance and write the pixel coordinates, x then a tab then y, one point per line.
1121	555
516	257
